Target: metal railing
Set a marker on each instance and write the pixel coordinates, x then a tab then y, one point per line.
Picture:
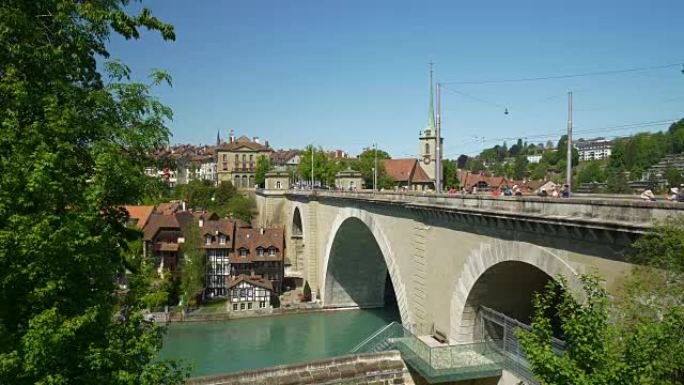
501	330
435	363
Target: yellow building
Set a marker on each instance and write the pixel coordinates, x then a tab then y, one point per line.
236	160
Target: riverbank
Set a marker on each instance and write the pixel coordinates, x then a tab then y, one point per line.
199	316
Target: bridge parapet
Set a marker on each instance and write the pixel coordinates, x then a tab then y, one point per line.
617	214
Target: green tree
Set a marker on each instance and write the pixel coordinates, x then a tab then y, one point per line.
365	164
475	165
73	148
193	266
617	182
224	193
635	339
198	193
590	172
449	174
307	291
263	166
520	167
539	171
673	176
320	163
241	207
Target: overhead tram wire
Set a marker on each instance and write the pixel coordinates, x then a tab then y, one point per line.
567	76
560	132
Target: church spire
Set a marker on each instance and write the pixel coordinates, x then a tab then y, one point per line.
431	108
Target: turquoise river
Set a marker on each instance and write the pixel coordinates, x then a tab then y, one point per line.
228	346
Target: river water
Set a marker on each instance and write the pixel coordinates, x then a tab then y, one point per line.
228	346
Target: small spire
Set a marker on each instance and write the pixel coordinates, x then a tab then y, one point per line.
431	108
218	137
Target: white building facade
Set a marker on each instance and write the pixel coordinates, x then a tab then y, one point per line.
593	149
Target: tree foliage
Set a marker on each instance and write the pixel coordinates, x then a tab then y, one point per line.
263	166
635	339
192	278
366	163
73	144
197	193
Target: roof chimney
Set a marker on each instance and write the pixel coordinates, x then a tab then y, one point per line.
256	139
201	222
231	136
262	231
267	143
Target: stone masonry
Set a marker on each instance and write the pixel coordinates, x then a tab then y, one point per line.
385	368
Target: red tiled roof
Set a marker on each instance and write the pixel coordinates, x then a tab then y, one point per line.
220	226
243	141
140	213
254	280
468	179
281	157
167	208
252	239
419	176
157	222
400	170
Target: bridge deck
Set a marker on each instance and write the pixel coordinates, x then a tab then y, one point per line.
626	214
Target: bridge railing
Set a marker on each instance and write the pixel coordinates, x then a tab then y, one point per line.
585	210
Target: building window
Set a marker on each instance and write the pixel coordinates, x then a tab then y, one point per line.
225	157
260	252
272	251
278	185
235	306
249	306
222	239
244	157
207	240
262	304
427	148
243	253
251	157
242	306
237	158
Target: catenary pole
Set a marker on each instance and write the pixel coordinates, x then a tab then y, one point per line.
375	167
312	166
568	167
438	146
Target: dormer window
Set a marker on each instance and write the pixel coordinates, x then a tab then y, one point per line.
243	253
272	251
222	239
207	239
260	251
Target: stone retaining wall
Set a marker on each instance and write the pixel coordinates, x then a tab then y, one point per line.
384	368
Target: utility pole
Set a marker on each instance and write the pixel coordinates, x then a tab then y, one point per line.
312	166
438	147
568	169
375	167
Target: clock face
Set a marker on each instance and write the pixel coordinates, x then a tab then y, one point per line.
426	160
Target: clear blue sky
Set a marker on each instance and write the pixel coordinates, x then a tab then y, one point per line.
343	74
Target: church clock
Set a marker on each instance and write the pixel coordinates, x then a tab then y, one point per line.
426	159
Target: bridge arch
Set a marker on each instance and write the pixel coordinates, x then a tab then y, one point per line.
502	275
297	224
356	235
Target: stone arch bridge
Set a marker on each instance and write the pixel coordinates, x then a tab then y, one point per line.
445	256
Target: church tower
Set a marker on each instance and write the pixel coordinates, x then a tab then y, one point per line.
428	140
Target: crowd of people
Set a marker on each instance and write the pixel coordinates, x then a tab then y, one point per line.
674	194
555	192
